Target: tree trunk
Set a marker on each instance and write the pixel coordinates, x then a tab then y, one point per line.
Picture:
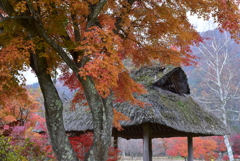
102	115
101	108
53	111
226	139
229	148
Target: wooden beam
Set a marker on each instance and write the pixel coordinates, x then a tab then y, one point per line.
190	148
147	142
115	138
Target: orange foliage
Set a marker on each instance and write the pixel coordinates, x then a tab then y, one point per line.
105	65
176	146
221	147
141	31
122	90
13	58
19	109
118	116
203	148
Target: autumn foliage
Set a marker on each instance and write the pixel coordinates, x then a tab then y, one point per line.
18	141
18	120
123	33
206	148
236	144
90	39
81	144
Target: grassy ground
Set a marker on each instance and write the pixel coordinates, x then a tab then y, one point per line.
157	159
154	159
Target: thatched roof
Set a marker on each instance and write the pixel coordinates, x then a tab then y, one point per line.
172	111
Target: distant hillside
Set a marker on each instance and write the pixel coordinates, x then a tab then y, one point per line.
64	92
196	75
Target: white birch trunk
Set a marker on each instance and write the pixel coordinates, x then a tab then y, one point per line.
226	138
229	148
220	59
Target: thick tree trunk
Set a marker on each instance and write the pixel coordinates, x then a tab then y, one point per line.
53	111
102	114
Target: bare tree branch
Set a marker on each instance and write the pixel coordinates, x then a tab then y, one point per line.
14	17
97	9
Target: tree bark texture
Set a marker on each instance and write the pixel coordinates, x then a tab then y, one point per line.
226	138
229	148
102	114
53	111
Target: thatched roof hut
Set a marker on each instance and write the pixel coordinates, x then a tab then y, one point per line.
171	111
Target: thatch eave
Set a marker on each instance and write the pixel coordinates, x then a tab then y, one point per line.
181	113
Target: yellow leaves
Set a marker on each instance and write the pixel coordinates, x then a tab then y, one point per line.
28	133
20	7
93	1
98	41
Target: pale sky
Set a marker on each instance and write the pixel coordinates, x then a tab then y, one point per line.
30	77
199	24
202	25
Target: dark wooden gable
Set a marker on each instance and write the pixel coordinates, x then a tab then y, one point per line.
174	81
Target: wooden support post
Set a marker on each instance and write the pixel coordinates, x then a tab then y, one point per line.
190	148
147	142
115	138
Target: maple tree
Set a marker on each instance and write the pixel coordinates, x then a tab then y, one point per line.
92	37
81	145
176	147
18	110
203	148
221	147
17	139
